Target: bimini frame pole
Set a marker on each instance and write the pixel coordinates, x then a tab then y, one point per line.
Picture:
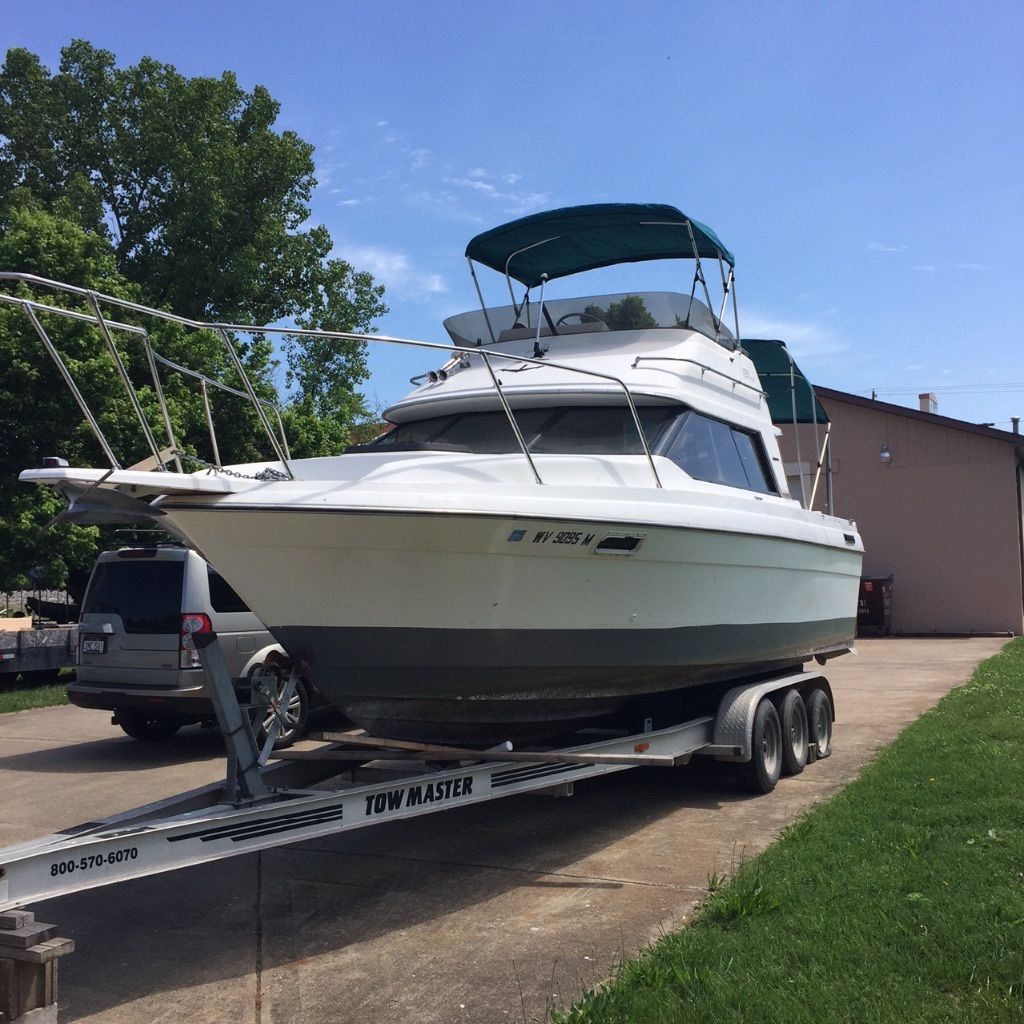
480	296
817	474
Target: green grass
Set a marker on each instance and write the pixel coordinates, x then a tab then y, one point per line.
902	899
26	697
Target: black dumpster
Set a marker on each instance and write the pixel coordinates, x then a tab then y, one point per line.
874	606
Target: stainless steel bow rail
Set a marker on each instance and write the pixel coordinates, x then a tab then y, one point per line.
355	781
94	304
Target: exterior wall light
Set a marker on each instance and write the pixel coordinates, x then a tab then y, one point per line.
885	455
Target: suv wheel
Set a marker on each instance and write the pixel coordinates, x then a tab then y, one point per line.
141	726
295	714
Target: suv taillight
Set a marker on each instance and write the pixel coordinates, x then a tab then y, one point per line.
191	622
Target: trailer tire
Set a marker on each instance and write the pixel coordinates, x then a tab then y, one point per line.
141	726
819	722
762	771
793	720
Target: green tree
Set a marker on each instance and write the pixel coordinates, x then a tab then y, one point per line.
630	313
178	193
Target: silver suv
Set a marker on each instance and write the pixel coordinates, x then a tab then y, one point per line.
135	659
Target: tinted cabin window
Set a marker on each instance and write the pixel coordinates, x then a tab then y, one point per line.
564	430
754	462
222	596
145	594
603	430
711	450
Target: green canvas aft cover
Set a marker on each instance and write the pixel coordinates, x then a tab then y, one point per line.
774	365
578	238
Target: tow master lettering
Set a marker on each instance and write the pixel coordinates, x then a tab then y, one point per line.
575	537
416	796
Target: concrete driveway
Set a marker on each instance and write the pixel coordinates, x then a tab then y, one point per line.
484	913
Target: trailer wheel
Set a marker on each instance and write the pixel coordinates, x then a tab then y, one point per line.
762	771
141	726
819	721
793	720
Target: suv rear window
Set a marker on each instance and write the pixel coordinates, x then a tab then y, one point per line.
222	596
145	594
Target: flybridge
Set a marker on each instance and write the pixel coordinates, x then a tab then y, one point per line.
546	246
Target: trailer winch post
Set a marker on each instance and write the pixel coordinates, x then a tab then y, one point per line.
244	782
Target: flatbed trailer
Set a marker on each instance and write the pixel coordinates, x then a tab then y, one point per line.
769	726
38	654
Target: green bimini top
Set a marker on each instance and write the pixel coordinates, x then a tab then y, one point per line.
577	238
780	378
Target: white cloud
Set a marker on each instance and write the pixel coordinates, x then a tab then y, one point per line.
927	268
420	158
395	271
885	247
513	202
803	338
480	186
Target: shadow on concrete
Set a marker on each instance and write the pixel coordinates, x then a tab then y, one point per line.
118	753
214	922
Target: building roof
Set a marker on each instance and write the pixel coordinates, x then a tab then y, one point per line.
916	414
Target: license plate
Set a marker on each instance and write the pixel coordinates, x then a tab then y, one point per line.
94	646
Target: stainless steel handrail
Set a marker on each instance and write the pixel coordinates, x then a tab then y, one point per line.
31	306
224	329
704	368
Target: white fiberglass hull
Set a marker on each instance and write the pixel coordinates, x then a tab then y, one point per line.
446	625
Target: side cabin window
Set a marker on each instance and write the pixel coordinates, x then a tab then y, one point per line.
714	451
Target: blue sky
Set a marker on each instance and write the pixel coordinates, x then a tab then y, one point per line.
863	160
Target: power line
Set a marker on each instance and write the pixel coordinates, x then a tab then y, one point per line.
955	389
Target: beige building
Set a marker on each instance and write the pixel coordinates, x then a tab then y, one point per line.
938	503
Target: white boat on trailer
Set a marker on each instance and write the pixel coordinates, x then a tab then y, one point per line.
582	514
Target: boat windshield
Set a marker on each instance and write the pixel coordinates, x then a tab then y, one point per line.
703	447
559	430
622	311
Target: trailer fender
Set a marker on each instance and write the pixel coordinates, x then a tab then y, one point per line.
735	717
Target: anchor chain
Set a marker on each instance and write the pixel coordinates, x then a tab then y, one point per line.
264	475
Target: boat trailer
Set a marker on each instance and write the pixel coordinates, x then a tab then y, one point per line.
771	726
